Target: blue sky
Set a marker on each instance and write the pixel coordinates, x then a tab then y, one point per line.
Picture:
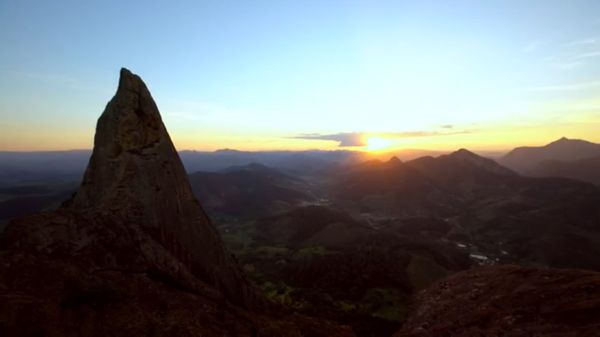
298	74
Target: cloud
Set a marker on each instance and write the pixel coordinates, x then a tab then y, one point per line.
352	139
566	65
568	87
583	42
344	139
575	53
588	55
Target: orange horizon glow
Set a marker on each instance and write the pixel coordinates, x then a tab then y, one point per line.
489	138
421	76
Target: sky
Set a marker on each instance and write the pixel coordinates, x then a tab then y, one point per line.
271	75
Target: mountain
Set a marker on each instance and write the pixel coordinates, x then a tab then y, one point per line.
311	225
300	163
42	166
132	253
272	173
524	159
497	215
422	186
508	301
586	169
461	163
252	190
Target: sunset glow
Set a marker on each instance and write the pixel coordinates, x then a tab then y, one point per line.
378	144
308	75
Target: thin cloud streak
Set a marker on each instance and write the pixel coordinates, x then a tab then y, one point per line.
583	42
344	139
355	139
567	87
588	55
575	53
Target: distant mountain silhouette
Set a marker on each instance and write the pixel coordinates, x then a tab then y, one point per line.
296	162
271	173
525	159
42	167
461	163
133	253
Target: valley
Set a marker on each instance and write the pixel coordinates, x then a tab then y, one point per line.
320	241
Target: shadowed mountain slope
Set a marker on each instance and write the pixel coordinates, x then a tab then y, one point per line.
312	225
248	191
587	169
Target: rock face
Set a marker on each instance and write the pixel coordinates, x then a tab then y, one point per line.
133	253
136	175
509	301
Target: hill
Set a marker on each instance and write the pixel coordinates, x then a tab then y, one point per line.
248	191
525	159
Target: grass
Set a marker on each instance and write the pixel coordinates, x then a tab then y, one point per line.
386	303
281	293
312	251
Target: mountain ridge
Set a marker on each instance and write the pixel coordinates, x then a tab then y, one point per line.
524	158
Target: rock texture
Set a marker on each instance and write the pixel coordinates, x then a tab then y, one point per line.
509	301
133	253
135	175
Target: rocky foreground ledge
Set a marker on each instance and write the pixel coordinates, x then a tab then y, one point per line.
509	301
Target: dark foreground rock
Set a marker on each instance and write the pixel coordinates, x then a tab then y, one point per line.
132	253
509	301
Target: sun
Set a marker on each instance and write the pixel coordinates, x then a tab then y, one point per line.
377	143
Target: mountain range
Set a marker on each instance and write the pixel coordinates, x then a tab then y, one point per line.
570	158
155	242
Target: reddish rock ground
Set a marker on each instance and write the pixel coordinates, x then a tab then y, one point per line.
509	301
